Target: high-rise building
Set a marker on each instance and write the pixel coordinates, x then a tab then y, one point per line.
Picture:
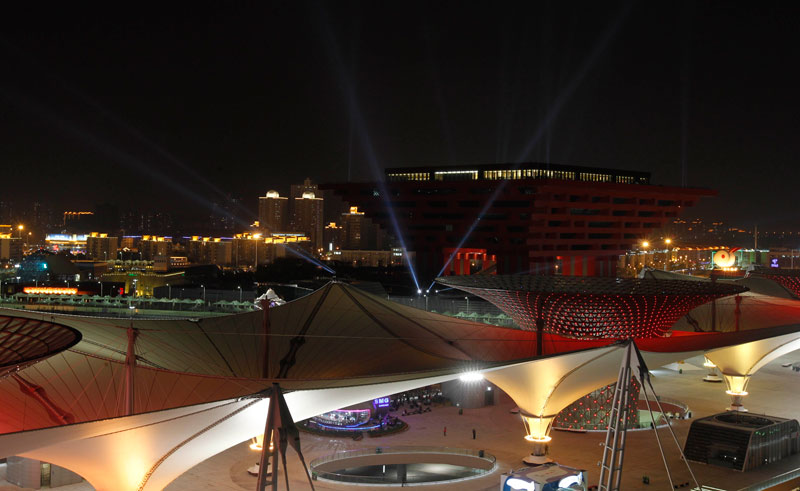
273	212
298	190
155	245
332	236
210	250
10	247
308	218
101	247
78	222
359	232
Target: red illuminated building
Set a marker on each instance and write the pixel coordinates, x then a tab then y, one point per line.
592	307
533	217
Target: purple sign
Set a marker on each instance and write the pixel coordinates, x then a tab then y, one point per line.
774	263
381	402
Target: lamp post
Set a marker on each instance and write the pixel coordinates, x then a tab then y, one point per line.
169	292
467	299
20	228
240	292
101	287
204	292
645	245
668	243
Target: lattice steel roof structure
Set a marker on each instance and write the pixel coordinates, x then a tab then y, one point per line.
26	341
592	307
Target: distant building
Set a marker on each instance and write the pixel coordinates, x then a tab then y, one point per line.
210	250
298	190
152	246
374	259
162	264
80	222
532	217
359	232
101	246
66	242
332	236
42	267
308	218
273	212
142	283
10	247
254	250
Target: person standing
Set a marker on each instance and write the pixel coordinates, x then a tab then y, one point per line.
445	431
473	433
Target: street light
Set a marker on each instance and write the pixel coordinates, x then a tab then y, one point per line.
20	228
101	287
467	299
204	292
169	289
240	292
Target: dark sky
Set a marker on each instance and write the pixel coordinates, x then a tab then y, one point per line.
178	106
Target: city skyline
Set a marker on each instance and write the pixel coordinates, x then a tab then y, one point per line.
186	109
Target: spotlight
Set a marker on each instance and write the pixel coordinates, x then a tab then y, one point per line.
471	377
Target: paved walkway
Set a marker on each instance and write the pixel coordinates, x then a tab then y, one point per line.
774	390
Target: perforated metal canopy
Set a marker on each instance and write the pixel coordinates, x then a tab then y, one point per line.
589	285
593	307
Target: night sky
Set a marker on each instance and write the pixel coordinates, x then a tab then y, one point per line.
177	107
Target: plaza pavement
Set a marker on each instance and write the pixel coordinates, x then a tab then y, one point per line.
774	390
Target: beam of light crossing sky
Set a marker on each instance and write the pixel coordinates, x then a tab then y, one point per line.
87	138
357	118
555	109
128	129
308	258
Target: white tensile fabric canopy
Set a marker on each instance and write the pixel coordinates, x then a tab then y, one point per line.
196	382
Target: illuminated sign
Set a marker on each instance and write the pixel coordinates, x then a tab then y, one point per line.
724	259
773	263
50	290
381	402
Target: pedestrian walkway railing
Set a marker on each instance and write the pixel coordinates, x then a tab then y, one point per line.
773	481
416	450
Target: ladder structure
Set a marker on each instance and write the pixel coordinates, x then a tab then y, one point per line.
633	366
614	447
